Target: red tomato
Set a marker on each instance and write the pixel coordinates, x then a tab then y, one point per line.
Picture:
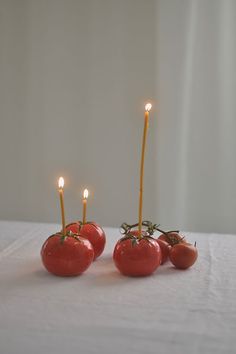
183	255
134	257
165	249
67	257
172	238
91	231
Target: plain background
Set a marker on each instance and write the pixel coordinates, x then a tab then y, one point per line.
74	78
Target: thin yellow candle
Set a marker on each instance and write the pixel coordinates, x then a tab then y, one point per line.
148	107
85	197
61	194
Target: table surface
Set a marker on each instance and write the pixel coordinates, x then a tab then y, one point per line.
172	311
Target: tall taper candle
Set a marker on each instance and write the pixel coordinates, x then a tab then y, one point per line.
148	107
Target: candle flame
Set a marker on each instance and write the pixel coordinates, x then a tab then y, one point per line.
61	182
148	107
85	194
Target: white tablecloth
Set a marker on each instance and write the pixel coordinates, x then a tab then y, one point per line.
172	311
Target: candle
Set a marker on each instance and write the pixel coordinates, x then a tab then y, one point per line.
61	194
85	197
148	107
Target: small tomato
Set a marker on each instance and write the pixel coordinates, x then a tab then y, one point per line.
165	250
183	255
91	231
172	238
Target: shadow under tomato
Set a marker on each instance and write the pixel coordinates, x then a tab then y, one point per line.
107	274
168	269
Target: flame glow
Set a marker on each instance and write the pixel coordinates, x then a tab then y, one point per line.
61	182
85	194
148	107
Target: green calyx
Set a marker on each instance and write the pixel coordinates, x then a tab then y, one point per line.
63	237
135	239
150	229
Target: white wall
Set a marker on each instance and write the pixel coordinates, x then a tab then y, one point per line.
74	79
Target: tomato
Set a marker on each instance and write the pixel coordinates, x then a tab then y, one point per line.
91	231
165	249
66	256
137	257
183	255
172	238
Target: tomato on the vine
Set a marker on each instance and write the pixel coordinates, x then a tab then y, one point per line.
134	256
91	231
165	250
183	255
68	255
172	238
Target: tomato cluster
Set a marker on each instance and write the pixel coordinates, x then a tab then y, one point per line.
71	254
135	254
141	255
182	254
